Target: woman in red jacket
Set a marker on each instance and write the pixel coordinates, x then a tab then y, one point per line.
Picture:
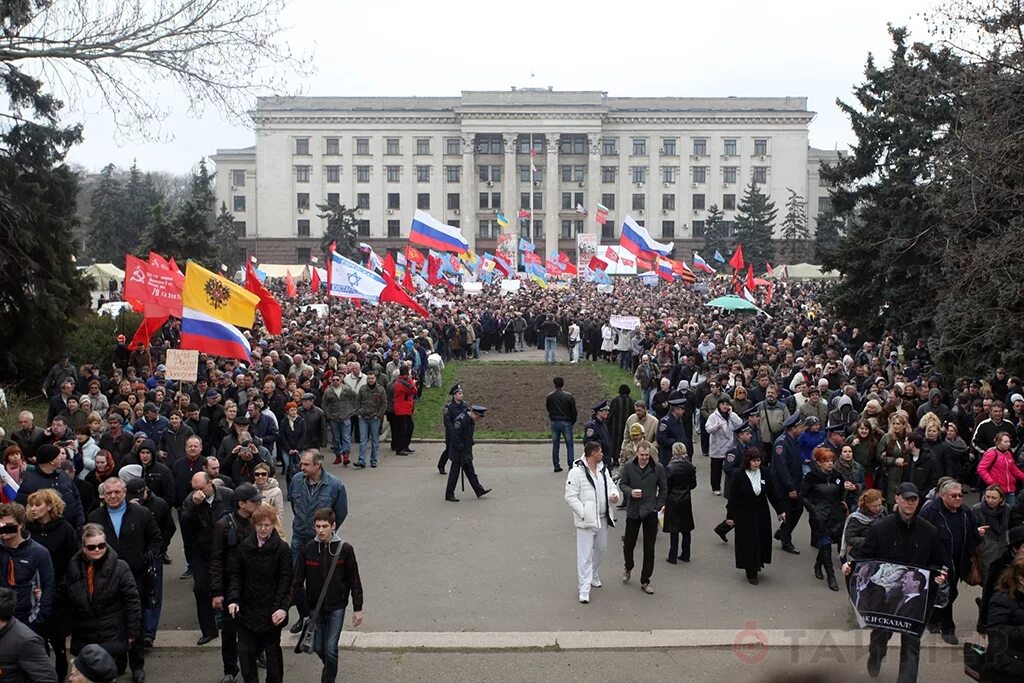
404	391
998	467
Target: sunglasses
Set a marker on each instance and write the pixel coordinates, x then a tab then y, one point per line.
261	474
95	546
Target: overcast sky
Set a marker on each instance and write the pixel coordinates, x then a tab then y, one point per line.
637	48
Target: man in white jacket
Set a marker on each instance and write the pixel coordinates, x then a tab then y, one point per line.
592	497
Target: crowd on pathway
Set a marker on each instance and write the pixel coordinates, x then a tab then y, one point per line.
795	413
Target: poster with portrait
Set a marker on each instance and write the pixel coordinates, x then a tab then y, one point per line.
891	597
507	247
586	249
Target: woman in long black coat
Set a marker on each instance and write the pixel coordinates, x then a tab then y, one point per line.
682	478
822	493
749	514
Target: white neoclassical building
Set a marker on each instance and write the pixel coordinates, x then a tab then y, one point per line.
664	160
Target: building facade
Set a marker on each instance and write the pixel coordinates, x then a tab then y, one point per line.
665	161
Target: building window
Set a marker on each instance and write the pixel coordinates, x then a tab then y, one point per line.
567	200
698	202
729	145
639	147
302	146
239	227
490	174
608	230
698	228
302	200
333	146
668	202
394	228
422	146
302	229
488	229
238	203
608	174
538	229
639	174
394	173
668	174
668	229
700	174
728	202
363	200
454	223
572	144
524	174
760	147
523	144
302	174
608	201
423	201
394	200
577	199
485	200
333	174
392	146
422	174
538	200
610	146
579	174
454	201
363	228
495	200
700	147
302	254
452	146
453	174
363	146
639	202
362	174
333	198
566	172
488	144
729	175
668	147
760	174
729	228
824	205
238	178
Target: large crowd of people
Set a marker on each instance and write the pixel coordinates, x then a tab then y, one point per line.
795	411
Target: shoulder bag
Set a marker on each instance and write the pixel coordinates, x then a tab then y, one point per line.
308	635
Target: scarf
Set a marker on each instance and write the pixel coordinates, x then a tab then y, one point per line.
90	577
755	480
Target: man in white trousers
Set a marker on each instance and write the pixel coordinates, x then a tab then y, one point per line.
592	497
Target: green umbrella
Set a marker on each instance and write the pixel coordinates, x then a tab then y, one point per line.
733	303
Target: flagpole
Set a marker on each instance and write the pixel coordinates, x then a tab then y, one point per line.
530	236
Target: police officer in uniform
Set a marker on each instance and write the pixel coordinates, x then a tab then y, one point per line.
597	430
787	475
836	439
673	428
460	452
451	410
753	418
744	439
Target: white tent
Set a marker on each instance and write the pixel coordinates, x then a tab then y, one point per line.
103	273
803	271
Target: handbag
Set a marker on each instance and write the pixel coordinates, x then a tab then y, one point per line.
973	575
308	635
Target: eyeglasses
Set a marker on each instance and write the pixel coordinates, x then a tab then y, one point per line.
955	495
95	546
261	474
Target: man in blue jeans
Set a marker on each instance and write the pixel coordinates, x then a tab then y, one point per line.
562	412
316	558
549	331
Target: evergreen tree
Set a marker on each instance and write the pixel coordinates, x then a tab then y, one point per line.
227	240
140	198
755	225
106	243
163	237
341	229
194	222
794	228
827	234
715	237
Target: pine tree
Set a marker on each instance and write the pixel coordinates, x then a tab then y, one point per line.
227	240
715	237
195	221
106	241
827	234
755	225
140	197
163	237
794	228
341	229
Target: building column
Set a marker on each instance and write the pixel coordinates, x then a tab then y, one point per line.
593	182
467	202
552	200
509	199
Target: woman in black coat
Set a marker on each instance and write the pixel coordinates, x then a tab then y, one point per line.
1004	656
822	494
48	528
681	476
748	513
259	594
291	439
105	606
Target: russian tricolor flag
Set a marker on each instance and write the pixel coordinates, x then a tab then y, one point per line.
702	265
207	334
9	487
636	240
432	233
665	271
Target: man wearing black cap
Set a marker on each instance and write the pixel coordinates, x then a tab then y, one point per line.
787	474
743	441
152	423
92	665
673	428
461	453
48	475
228	532
597	430
451	410
317	428
902	538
